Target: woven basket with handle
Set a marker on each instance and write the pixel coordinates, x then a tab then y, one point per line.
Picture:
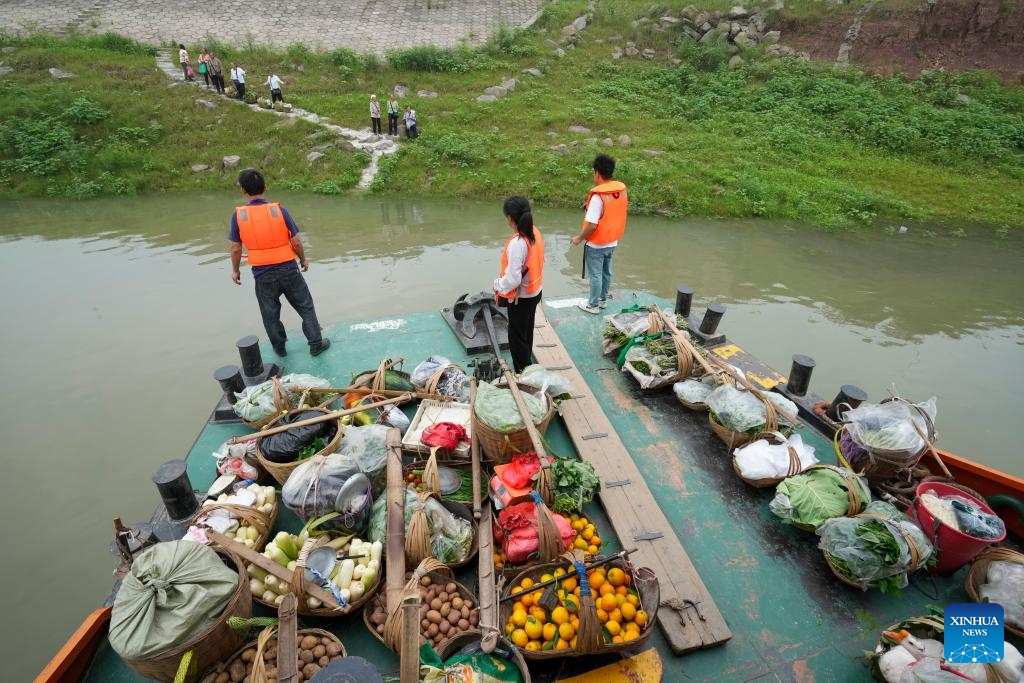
499	447
794	463
978	576
280	470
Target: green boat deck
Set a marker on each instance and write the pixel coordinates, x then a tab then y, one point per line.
791	619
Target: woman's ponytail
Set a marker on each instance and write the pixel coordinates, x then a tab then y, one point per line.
518	208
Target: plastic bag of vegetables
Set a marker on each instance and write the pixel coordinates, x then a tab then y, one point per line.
820	493
451	379
367	447
451	537
622	327
551	382
256	403
741	411
496	407
877	548
330	483
892	426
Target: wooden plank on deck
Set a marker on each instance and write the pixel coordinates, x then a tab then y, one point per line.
634	514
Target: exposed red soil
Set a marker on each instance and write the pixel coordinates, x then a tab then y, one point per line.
955	35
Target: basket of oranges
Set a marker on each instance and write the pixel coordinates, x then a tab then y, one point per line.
548	612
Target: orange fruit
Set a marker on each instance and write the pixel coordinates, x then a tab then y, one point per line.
628	611
615	615
633	600
527	599
559	615
570	584
618	639
533	646
509	627
559	572
577	525
546	577
572	643
572	604
620	600
549	631
607	603
596	581
575	622
622	590
526	583
640	618
587	534
580	544
630	635
562	644
602	616
518	606
631	626
606	589
592	549
539	614
566	632
616	577
596	540
534	629
518	618
520	638
613	627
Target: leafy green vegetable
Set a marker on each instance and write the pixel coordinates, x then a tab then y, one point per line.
575	484
814	496
312	449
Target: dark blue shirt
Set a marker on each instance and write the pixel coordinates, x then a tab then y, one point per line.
293	230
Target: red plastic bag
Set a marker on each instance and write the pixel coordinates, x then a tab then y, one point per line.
520	471
444	435
520	525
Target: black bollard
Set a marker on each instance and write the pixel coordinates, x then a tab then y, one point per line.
249	352
848	397
230	379
712	317
800	375
175	488
684	300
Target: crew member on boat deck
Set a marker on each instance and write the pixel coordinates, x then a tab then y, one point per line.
519	283
603	227
272	243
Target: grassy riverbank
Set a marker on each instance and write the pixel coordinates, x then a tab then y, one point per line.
777	138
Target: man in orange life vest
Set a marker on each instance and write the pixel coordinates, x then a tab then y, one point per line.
271	239
603	226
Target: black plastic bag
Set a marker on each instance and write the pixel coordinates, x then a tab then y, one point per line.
285	447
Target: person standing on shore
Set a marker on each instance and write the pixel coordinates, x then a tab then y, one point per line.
238	78
603	226
392	115
183	60
217	73
272	243
375	114
410	123
518	285
275	87
204	66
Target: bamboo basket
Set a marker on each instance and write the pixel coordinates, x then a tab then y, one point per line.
280	470
376	380
298	587
795	466
418	548
450	648
437	573
882	464
643	580
915	553
318	632
213	644
729	437
499	447
461	465
855	503
263	522
693	406
978	575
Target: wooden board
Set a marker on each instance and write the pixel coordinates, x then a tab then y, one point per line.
634	514
643	667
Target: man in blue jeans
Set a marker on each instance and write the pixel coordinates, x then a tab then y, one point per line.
272	243
603	226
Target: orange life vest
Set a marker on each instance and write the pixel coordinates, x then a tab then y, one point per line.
263	231
534	265
612	225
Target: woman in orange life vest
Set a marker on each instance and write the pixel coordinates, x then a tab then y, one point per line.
519	283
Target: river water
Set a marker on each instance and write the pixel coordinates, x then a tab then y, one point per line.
116	312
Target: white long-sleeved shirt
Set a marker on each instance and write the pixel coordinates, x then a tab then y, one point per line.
274	82
517	251
238	74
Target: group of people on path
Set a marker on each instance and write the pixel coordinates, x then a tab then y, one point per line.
393	109
212	71
270	237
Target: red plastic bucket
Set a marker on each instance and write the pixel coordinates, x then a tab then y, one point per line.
955	549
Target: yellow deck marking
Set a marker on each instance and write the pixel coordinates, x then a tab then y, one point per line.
726	351
643	667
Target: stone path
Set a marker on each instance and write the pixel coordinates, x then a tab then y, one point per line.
843	58
376	145
360	25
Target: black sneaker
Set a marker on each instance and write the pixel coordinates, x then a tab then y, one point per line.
319	348
280	351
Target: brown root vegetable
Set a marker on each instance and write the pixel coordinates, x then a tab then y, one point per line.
319	651
463	624
222	677
378	618
432	630
457	602
323	661
425	581
424	623
451	587
380	629
446	609
237	671
310	670
423	609
443	596
308	642
474	617
306	656
333	649
248	655
435	604
453	617
444	627
434	617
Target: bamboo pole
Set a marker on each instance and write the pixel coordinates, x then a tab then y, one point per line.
474	451
287	640
409	657
395	560
488	590
327	417
387	393
670	324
